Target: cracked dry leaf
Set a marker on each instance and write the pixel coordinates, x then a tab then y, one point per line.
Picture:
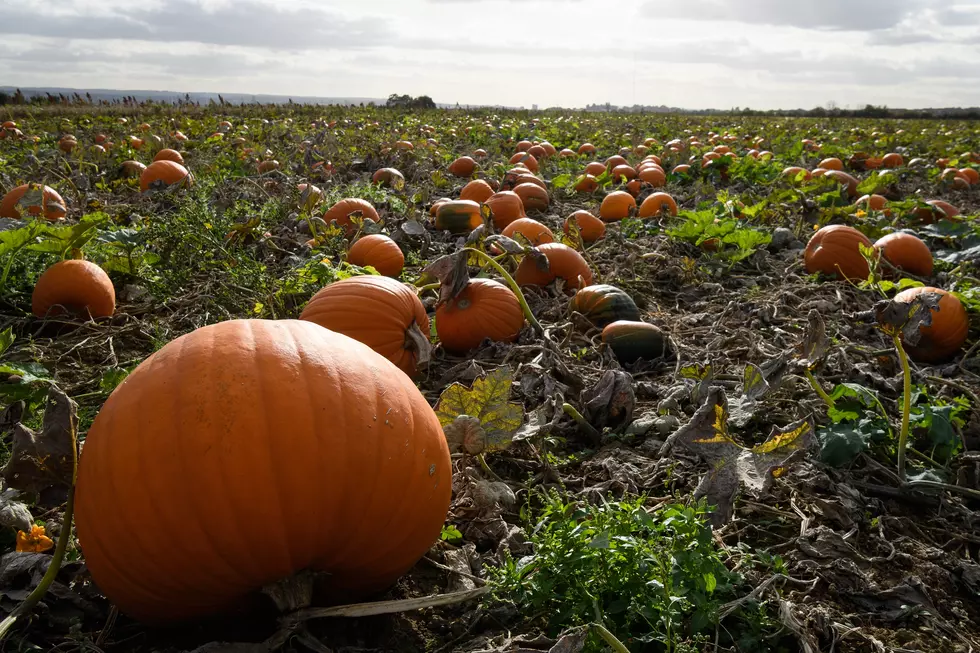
465	434
44	460
507	245
451	273
14	513
487	401
610	402
703	376
906	319
815	342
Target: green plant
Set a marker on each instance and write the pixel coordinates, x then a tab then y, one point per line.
733	240
655	579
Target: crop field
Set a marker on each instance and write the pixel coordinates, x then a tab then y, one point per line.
350	379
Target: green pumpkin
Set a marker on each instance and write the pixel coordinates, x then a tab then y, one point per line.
632	341
603	304
458	217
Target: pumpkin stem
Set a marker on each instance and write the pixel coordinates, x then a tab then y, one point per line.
513	286
816	388
292	593
417	343
610	639
59	552
581	421
906	404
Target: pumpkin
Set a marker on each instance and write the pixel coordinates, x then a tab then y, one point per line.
833	163
892	160
563	261
835	250
341	213
549	149
32	200
533	197
478	191
939	209
632	340
971	175
534	231
463	167
682	169
590	228
131	168
237	456
615	160
485	309
586	148
161	174
654	205
525	159
873	203
595	169
389	177
505	206
948	331
267	166
459	217
384	314
586	184
906	252
524	178
67	144
843	179
524	146
623	170
653	175
603	304
793	171
537	152
378	251
80	288
169	155
617	205
566	153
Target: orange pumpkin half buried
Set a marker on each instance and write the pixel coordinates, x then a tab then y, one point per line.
32	199
80	288
239	455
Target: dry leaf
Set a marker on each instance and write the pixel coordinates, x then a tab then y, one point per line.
487	401
39	461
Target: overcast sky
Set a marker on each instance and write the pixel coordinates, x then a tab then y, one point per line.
688	53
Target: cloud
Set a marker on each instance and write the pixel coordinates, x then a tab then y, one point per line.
249	23
825	15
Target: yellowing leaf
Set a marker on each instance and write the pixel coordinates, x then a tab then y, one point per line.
486	402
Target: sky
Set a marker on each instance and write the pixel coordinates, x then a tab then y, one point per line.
762	54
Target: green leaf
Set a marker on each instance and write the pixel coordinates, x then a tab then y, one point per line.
710	582
450	534
601	541
875	182
841	444
111	378
7	338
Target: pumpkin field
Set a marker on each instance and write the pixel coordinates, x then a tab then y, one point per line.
350	379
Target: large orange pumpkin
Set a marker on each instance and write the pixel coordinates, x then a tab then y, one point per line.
533	197
563	261
80	288
478	191
505	206
835	251
595	168
485	309
534	231
654	205
590	228
906	252
341	213
378	251
39	200
616	206
377	311
464	167
948	330
250	450
844	179
161	174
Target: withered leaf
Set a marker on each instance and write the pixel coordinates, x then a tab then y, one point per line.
39	461
815	343
413	228
465	434
610	402
508	245
754	384
476	235
13	513
451	273
540	260
906	319
488	402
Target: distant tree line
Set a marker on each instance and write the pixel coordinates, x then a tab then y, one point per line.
831	111
396	101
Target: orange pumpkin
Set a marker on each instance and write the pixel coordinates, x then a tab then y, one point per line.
623	170
485	309
843	179
458	217
833	163
390	177
477	190
267	166
310	414
533	197
525	159
834	250
939	209
169	155
615	160
792	172
563	261
682	169
131	168
586	148
906	252
378	311
872	203
893	160
161	174
590	228
948	331
342	211
653	175
534	231
505	206
463	167
617	205
378	251
33	200
76	287
595	168
655	204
